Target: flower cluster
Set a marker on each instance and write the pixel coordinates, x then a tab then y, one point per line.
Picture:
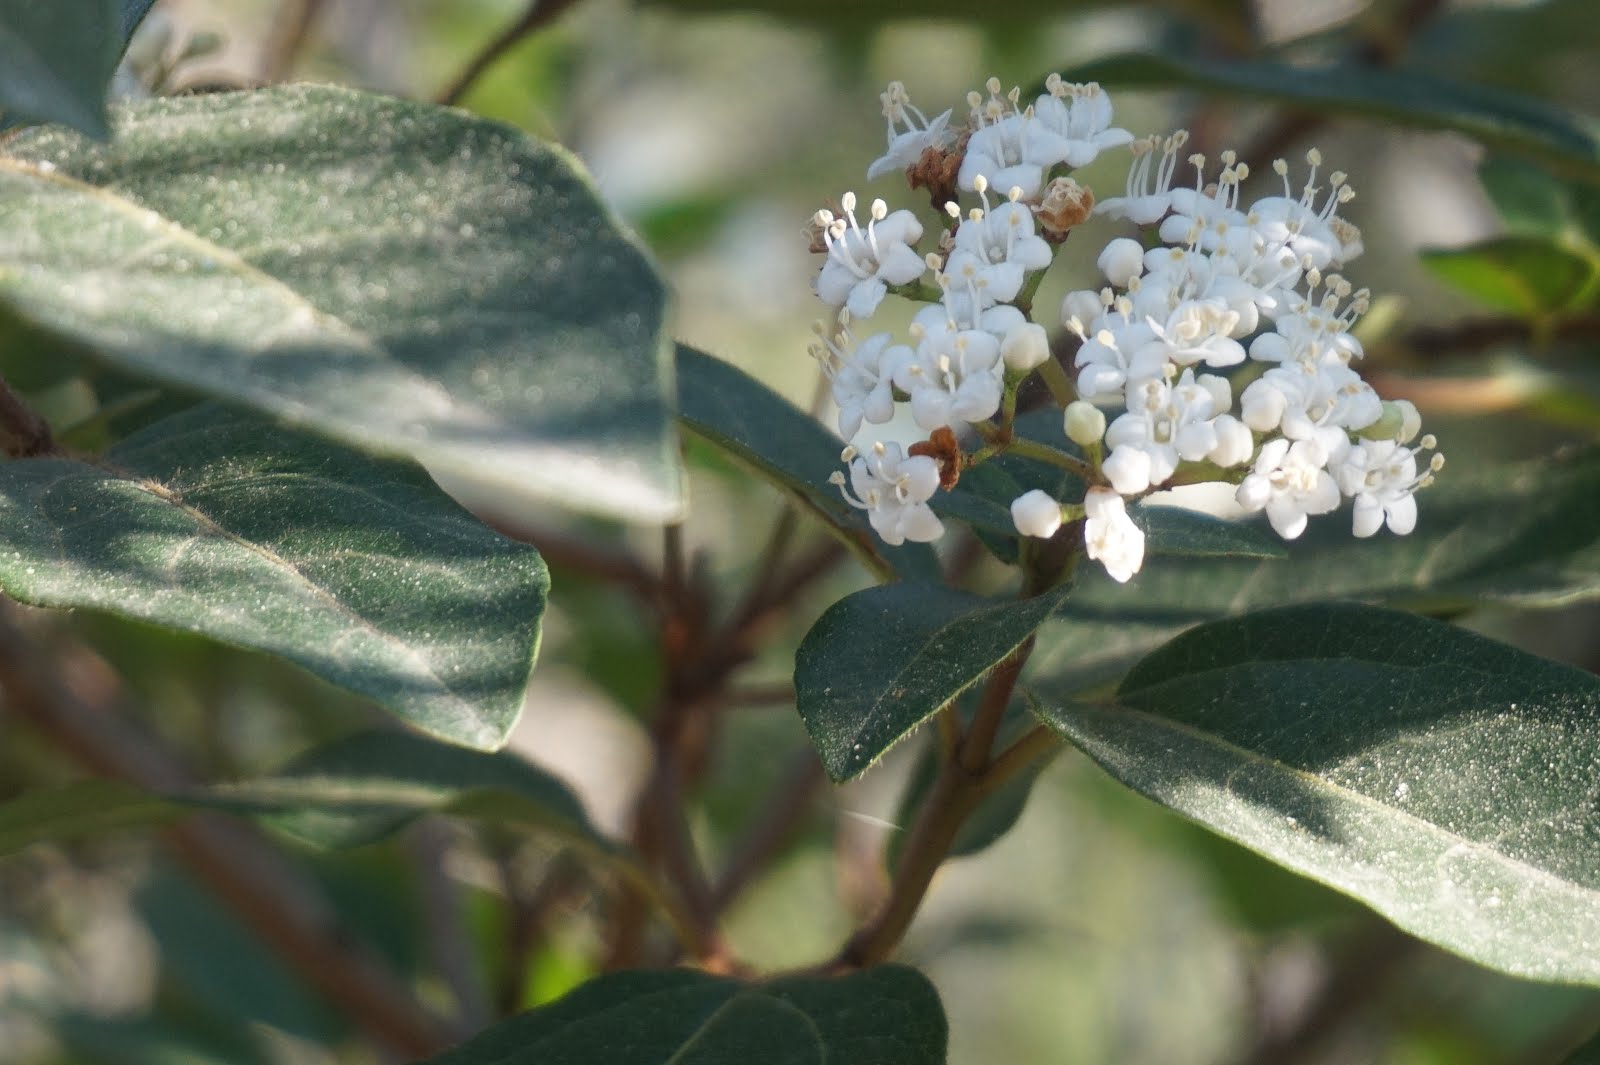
1222	296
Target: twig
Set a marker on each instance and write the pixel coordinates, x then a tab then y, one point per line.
289	38
765	695
445	930
539	13
237	865
559	550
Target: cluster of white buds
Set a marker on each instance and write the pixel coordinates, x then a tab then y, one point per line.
1220	291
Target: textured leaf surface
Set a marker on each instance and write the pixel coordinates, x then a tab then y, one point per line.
56	59
363	787
406	278
1542	548
727	407
880	662
1446	780
885	1016
1177	532
357	569
1495	116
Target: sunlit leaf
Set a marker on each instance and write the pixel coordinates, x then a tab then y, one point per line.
409	279
357	569
1445	780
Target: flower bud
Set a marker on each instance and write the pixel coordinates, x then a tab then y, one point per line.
1121	261
1025	347
1036	514
1084	423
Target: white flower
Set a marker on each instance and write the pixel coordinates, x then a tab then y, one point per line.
1112	359
1110	536
1314	234
1036	514
1381	476
997	249
1235	444
1199	331
1290	481
860	380
1163	426
862	263
955	374
1147	200
907	144
1080	115
894	491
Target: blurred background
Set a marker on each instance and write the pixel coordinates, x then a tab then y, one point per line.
1099	929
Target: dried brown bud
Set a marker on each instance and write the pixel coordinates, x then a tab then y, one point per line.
941	446
1065	204
937	169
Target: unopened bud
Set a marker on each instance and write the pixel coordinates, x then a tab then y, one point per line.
1084	422
1026	345
1122	261
1036	514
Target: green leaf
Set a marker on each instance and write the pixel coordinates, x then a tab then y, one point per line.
84	808
406	278
1564	139
1528	276
997	813
1445	780
56	60
889	1015
357	569
1177	532
738	414
880	662
1529	201
133	13
347	793
1588	1054
224	964
1542	549
367	786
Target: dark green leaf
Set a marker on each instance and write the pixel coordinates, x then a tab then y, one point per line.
1529	276
133	13
745	418
1443	779
363	787
1542	548
1177	532
997	814
224	964
357	569
155	1040
1588	1054
86	808
407	278
1495	117
884	1016
880	662
56	60
1530	201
